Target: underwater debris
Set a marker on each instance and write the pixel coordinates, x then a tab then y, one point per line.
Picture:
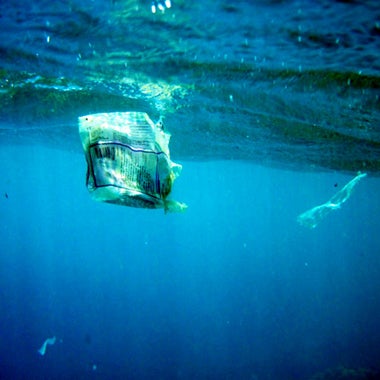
128	160
49	341
312	217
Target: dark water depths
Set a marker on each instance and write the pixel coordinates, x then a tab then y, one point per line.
273	107
290	83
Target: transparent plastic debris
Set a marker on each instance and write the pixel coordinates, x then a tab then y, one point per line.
49	341
313	217
128	160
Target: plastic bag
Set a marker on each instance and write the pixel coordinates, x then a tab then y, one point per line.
128	160
312	217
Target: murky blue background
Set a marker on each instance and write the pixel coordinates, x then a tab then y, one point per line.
273	107
234	288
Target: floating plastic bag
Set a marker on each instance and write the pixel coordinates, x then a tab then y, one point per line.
312	217
128	160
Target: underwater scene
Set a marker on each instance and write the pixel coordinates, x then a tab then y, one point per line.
246	247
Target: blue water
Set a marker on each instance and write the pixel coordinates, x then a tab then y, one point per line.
273	107
234	288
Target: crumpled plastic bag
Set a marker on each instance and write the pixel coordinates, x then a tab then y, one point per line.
128	160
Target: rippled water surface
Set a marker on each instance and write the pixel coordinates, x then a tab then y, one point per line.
290	83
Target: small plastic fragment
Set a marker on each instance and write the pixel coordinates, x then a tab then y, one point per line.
313	217
49	341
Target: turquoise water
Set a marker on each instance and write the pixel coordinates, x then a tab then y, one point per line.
273	108
288	84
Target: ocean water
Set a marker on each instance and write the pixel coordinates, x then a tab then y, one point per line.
273	108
